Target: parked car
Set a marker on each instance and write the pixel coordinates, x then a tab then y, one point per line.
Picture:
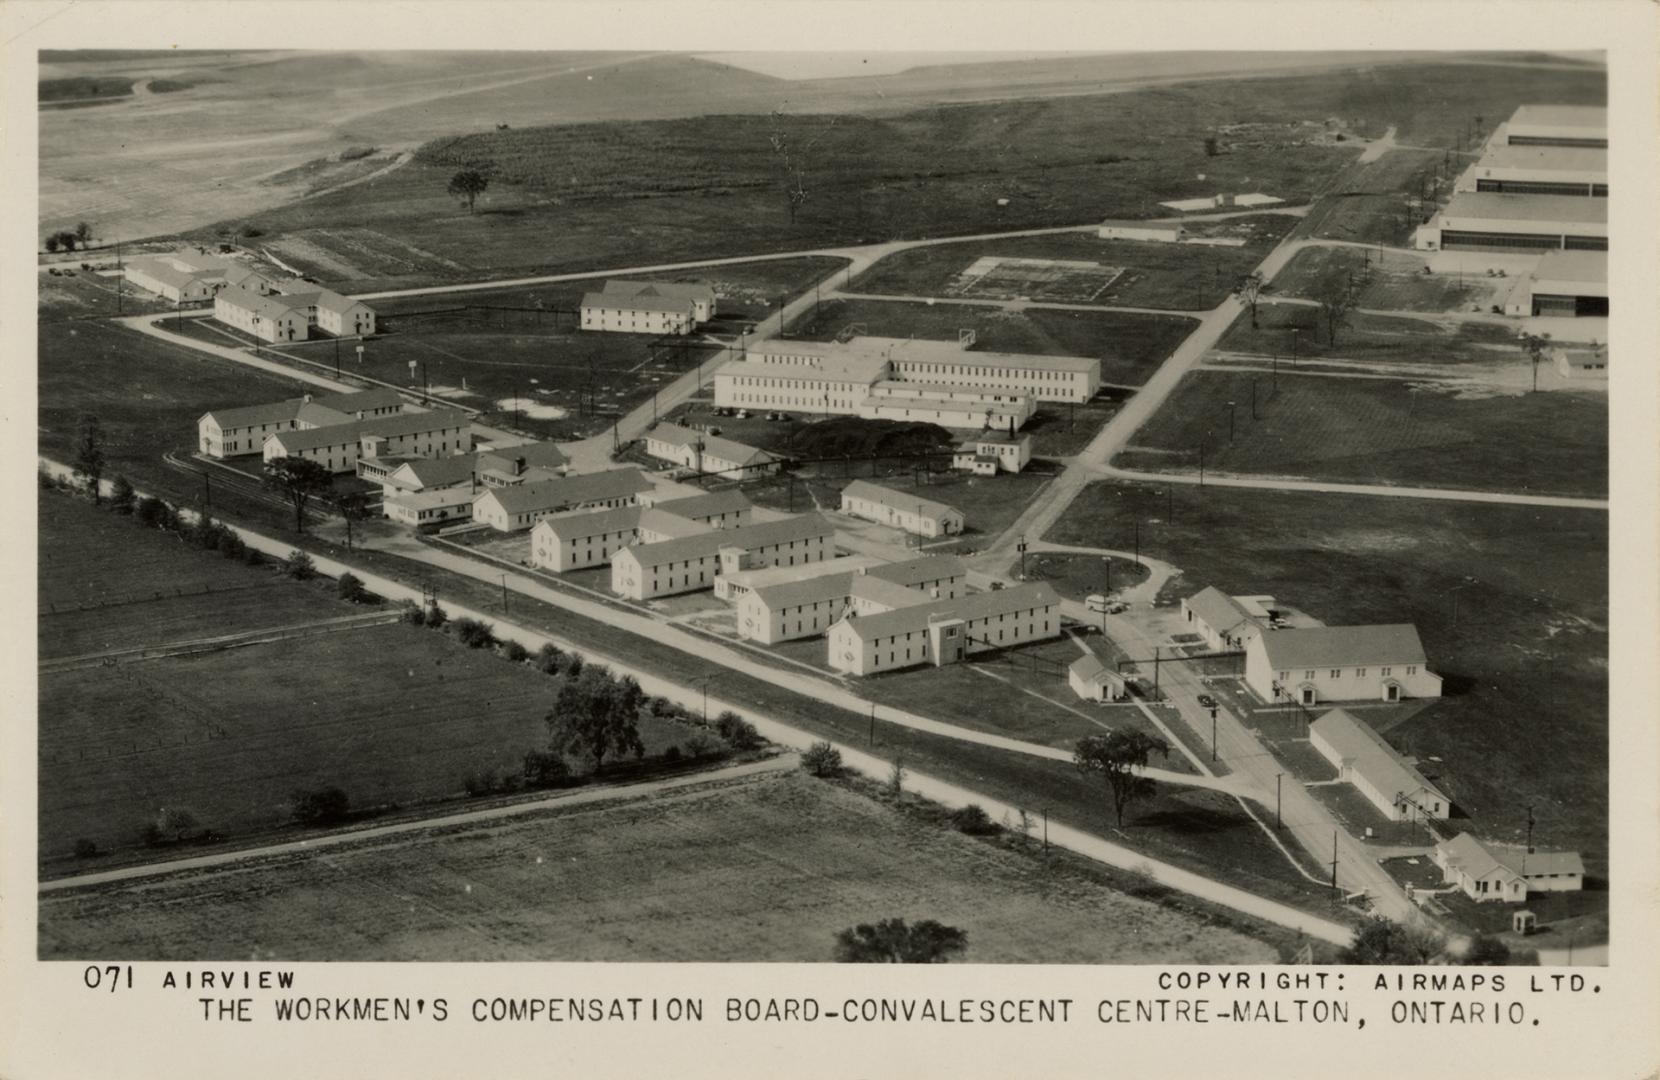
743	414
996	585
1095	602
1207	701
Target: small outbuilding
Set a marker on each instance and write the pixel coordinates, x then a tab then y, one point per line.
1092	680
1156	232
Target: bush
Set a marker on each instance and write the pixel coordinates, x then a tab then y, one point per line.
122	496
350	587
52	243
822	759
475	634
251	555
299	566
325	806
547	659
231	545
413	614
436	616
573	665
86	849
545	769
515	652
737	731
700	745
973	820
493	780
671	755
148	511
663	709
172	826
252	231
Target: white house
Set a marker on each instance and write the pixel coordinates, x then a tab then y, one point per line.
1340	663
1506	872
901	509
784	610
948	406
338	447
190	277
992	453
1365	760
1225	622
708	454
1155	232
271	317
1491	221
1092	680
689	563
573	541
519	506
344	317
225	433
1589	363
945	631
648	307
439	506
719	509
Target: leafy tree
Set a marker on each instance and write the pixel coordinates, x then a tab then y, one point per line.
545	769
1485	951
822	759
737	731
172	825
515	652
299	480
1381	940
349	587
1250	292
474	633
1535	345
123	499
1337	303
700	744
353	506
89	456
597	715
299	566
83	233
436	616
973	820
1116	757
573	665
325	806
468	184
547	659
892	942
52	243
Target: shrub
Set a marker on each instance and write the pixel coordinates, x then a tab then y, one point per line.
671	755
700	745
231	545
493	780
251	555
743	736
148	511
350	588
573	665
515	652
122	496
52	243
547	659
475	634
251	231
299	566
171	826
413	614
973	820
822	759
545	769
663	708
896	778
436	616
86	849
325	806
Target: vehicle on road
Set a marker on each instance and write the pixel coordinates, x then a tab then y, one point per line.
1100	604
1207	701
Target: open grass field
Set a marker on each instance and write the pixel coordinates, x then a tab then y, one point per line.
1077	576
1190	277
793	860
1368	337
82	90
390	714
1129	346
1522	643
106	583
1392	281
1388	431
1382	201
73	293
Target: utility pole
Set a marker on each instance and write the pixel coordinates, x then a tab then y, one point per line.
1138	542
1277	778
1046	845
1170	505
870	740
118	277
1334	861
1201	465
504	594
1294	332
1230	423
1213	734
1157	654
1021	547
207	492
1253	397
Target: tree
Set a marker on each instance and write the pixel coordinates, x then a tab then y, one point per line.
474	633
543	769
892	942
468	184
791	157
1337	302
89	456
822	759
597	715
1250	291
1381	940
1485	951
1535	345
354	507
122	496
83	233
52	243
1116	757
299	566
737	731
349	587
299	480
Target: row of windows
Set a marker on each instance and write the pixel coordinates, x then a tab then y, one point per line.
1556	140
1540	187
1038	374
1337	673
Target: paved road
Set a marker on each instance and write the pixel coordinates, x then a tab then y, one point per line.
1011	305
1267	483
311	844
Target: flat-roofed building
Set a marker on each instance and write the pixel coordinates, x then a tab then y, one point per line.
947	406
1155	232
337	447
1362	758
709	455
226	433
687	564
520	506
835	385
944	631
901	509
1340	663
648	307
1489	221
1538	170
1557	125
993	452
1565	284
1044	378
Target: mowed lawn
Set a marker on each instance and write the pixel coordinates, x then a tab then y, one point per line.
1130	346
1181	277
1522	643
105	583
390	714
1384	431
1390	282
1369	337
766	870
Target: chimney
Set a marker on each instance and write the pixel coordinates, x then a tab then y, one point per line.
518	466
308	398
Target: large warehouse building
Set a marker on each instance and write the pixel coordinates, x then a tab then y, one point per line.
1557	125
1490	221
1565	284
1539	170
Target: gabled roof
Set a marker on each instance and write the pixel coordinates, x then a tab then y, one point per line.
442	471
998	438
916	571
1091	669
410	423
713	445
335	408
568	491
544	455
656	519
566	527
679	290
1156	226
713	504
898	500
1343	646
333	301
645	300
890	594
430	498
1219	611
808	590
974	606
746	537
1368	754
275	306
378	397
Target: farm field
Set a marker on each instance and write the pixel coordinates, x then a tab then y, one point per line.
1181	277
1130	346
794	859
1392	281
407	715
1525	716
1387	431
